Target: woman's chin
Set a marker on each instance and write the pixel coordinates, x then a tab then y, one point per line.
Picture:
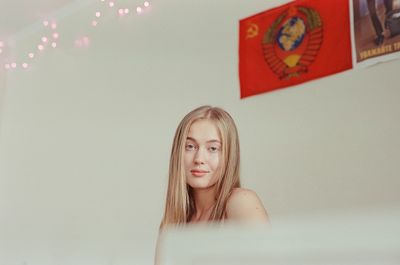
200	184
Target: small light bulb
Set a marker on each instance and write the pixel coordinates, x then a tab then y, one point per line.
126	11
53	44
31	55
78	43
86	41
94	23
111	4
13	65
25	65
45	23
53	25
146	4
40	47
55	35
98	14
44	39
138	9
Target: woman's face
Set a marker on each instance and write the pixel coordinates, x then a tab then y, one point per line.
202	154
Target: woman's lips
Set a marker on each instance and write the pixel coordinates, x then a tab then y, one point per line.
198	172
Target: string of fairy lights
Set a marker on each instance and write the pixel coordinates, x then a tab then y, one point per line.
52	37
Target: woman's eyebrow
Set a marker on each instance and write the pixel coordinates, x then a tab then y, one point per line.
214	141
209	141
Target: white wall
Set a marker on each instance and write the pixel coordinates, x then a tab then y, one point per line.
86	133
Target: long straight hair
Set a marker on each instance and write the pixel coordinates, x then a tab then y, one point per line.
180	204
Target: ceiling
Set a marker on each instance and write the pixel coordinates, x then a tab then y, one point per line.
16	15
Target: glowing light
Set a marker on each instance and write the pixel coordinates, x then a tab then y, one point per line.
86	41
52	40
78	43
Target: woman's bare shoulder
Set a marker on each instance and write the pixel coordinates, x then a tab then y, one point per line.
245	205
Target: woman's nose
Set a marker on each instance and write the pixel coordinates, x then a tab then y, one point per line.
199	157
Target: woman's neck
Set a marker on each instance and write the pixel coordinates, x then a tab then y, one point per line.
204	201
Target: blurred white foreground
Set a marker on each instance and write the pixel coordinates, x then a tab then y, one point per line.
362	236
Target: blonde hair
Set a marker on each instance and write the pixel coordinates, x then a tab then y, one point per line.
180	205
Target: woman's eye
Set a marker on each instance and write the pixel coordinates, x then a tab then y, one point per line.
213	149
190	147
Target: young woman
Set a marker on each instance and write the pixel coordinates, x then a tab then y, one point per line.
204	184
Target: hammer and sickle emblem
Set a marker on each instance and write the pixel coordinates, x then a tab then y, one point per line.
252	31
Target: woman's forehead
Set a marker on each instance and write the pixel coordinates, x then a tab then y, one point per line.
204	130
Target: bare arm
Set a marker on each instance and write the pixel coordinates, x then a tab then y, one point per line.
245	206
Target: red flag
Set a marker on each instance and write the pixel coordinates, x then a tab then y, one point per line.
292	44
